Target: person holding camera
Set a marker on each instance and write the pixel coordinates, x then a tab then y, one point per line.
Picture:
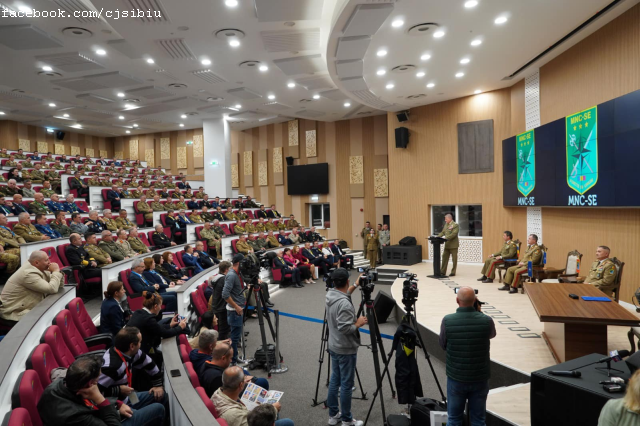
343	343
465	337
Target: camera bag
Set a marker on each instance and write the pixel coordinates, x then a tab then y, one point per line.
421	409
260	358
398	420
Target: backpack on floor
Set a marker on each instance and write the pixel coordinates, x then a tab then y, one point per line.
398	420
421	410
260	358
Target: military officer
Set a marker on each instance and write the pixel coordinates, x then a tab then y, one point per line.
371	244
20	155
27	164
216	227
46	189
181	205
206	216
255	245
138	192
365	231
603	272
170	205
144	208
70	205
240	214
249	227
8	237
123	222
218	215
37	175
11	162
94	181
60	225
57	165
156	205
272	240
250	203
125	193
449	233
54	178
270	226
176	195
262	242
293	223
136	243
533	255
261	213
213	238
200	194
11	189
242	246
125	247
195	217
26	230
230	215
238	229
3	153
508	251
260	226
95	252
110	247
281	226
38	206
160	238
109	222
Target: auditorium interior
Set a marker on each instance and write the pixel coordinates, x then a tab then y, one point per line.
428	147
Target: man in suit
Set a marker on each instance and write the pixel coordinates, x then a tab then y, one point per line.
319	260
346	260
273	213
28	286
206	202
77	225
183	219
136	243
218	215
288	268
174	225
160	239
262	213
283	239
4	208
60	225
55	205
191	259
44	228
214	239
70	205
77	183
508	251
183	184
111	248
18	207
193	204
449	233
78	256
204	259
123	221
114	196
95	224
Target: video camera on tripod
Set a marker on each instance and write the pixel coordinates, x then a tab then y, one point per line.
366	281
477	303
250	268
409	290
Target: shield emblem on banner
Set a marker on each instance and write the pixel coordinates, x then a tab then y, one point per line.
582	150
526	162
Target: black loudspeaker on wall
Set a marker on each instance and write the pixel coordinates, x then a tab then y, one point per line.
402	137
383	305
403	116
60	135
289	161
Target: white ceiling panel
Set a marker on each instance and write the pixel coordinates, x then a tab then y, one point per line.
276	106
124	47
79	84
353	84
70	62
371	99
288	10
113	80
29	113
247	115
149	92
16	98
151	109
176	48
26	37
301	64
310	113
291	40
334	95
366	19
209	76
315	83
185	102
352	47
351	68
244	93
90	97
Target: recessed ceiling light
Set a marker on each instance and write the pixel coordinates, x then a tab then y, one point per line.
316	96
101	52
263	68
477	92
500	20
431	85
206	62
183	116
128	106
397	23
381	72
425	57
52	105
47	68
420	74
438	34
465	61
121	117
476	42
151	61
460	74
390	86
238	106
1	113
347	104
135	125
234	43
49	130
121	95
25	9
382	52
181	125
231	3
272	97
65	115
128	131
291	85
471	3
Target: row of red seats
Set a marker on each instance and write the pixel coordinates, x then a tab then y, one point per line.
71	335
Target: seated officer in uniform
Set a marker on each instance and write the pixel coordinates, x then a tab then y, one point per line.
160	239
206	216
238	229
262	213
533	255
293	223
603	272
55	205
60	224
218	215
230	215
213	238
123	222
96	252
26	230
78	256
144	208
508	251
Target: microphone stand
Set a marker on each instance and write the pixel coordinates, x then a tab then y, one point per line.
608	368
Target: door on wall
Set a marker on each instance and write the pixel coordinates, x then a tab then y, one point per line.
385	220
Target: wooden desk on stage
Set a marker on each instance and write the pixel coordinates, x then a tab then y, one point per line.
574	328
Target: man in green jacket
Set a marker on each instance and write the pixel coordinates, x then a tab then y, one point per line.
509	250
450	233
110	247
465	336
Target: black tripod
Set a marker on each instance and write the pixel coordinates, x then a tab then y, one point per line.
407	318
376	341
323	349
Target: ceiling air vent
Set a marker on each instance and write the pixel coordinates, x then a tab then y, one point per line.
176	48
403	68
422	29
177	86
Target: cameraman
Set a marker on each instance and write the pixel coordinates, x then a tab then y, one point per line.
344	340
465	337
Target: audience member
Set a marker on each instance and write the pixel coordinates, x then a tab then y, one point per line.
153	276
125	247
78	256
233	294
287	267
112	318
623	411
77	225
136	243
318	260
296	253
190	259
346	260
173	271
160	239
305	272
43	227
139	284
217	304
60	224
208	321
110	247
95	224
55	205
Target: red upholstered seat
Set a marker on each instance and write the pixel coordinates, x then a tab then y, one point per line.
70	333
72	191
61	352
139	216
107	203
183	340
81	318
199	302
20	417
42	361
277	274
232	228
135	300
193	377
51	252
207	402
198	229
82	204
184	353
233	246
27	393
143	238
250	214
225	228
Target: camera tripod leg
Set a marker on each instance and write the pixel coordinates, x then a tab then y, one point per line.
414	323
374	334
323	342
263	334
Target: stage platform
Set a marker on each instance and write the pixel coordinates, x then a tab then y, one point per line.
516	351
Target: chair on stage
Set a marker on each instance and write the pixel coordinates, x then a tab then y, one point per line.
570	269
508	263
525	277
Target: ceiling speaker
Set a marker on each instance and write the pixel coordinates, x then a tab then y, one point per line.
403	116
289	161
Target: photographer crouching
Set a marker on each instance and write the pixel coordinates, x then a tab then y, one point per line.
465	337
343	343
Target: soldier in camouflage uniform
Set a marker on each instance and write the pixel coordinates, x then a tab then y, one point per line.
230	215
208	217
240	214
37	175
238	229
20	155
26	230
450	233
293	223
46	189
27	164
253	242
38	206
109	222
60	225
270	226
57	165
508	251
262	242
10	241
144	208
603	272
11	162
136	243
216	227
533	255
249	227
123	222
99	255
4	153
214	239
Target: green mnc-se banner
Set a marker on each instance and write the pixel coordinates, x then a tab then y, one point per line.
526	162
582	150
